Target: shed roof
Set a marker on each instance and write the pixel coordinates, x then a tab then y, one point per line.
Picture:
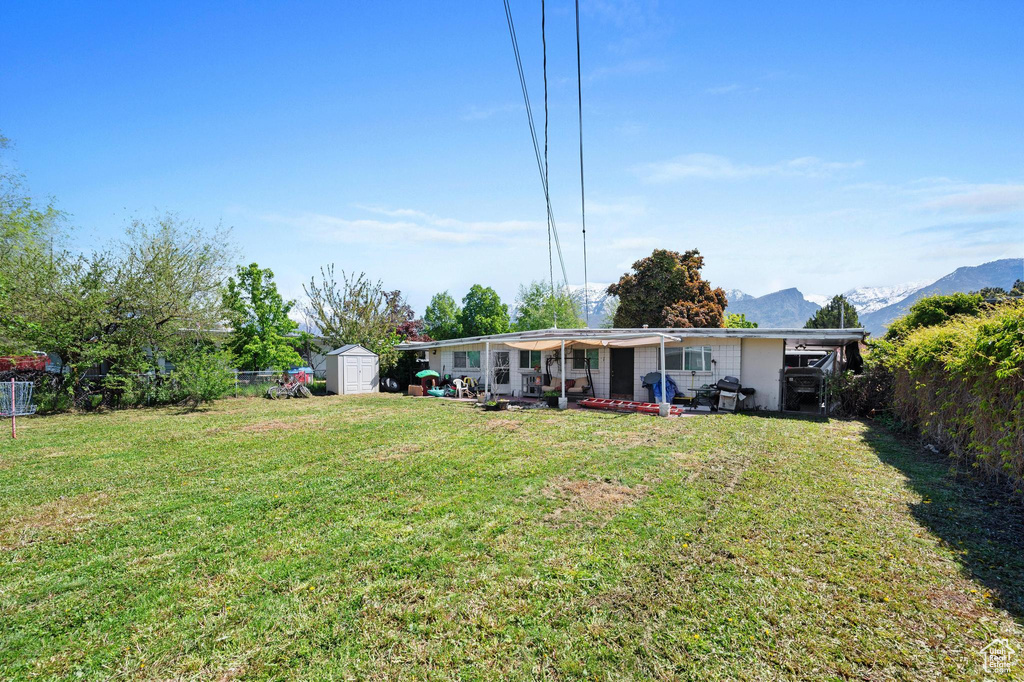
349	347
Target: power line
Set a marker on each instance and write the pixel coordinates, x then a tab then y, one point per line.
583	193
547	179
533	136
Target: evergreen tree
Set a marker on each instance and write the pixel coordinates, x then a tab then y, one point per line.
837	313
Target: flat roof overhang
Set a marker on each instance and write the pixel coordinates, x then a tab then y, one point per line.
817	337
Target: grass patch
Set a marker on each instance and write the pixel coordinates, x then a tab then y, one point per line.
386	537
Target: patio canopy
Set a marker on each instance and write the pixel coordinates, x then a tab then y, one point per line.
549	339
609	342
535	345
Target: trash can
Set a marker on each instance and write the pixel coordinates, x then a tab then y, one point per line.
652	381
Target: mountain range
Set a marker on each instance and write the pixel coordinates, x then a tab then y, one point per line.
876	306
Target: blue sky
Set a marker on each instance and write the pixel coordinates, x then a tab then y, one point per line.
817	145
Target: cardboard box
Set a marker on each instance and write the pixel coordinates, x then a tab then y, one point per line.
416	390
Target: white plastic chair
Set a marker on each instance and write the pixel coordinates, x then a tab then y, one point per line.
460	388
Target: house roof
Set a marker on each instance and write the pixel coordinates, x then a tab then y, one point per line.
810	337
350	347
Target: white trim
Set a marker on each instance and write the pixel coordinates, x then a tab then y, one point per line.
831	336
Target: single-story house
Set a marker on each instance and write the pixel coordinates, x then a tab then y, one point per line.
616	360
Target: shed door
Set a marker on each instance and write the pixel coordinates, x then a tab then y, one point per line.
351	374
367	375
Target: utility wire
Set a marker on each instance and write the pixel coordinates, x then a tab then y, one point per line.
547	188
533	136
583	193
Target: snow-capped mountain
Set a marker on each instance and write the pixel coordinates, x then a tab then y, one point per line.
735	296
870	299
596	301
876	306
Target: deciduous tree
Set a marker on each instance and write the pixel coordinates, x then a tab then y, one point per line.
483	312
442	317
260	326
666	290
357	310
739	321
538	308
124	307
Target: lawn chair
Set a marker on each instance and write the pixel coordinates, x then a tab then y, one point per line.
460	388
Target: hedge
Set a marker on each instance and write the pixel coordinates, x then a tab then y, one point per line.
961	384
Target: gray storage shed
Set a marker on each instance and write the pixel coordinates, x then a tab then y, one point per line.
352	369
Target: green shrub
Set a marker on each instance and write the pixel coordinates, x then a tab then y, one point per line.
961	384
935	310
203	376
862	395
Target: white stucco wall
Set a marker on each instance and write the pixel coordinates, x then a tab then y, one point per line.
755	361
725	355
761	360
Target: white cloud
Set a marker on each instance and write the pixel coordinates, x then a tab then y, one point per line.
991	198
715	167
409	227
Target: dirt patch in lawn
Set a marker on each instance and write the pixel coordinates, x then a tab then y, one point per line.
603	496
504	424
628	439
956	602
59	518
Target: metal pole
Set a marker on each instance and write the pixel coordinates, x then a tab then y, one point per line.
664	392
487	370
562	371
14	410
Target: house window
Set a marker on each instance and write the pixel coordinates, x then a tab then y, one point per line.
501	365
690	359
696	359
580	354
529	359
673	359
466	359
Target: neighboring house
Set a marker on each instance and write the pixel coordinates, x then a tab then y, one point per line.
619	358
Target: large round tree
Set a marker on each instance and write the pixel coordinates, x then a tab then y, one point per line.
666	290
483	312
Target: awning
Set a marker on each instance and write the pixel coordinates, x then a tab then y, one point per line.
536	345
629	342
623	343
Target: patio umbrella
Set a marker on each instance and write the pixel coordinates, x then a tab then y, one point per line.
427	373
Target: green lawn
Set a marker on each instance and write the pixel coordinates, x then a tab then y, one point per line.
388	537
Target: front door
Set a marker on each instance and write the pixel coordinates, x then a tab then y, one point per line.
622	373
